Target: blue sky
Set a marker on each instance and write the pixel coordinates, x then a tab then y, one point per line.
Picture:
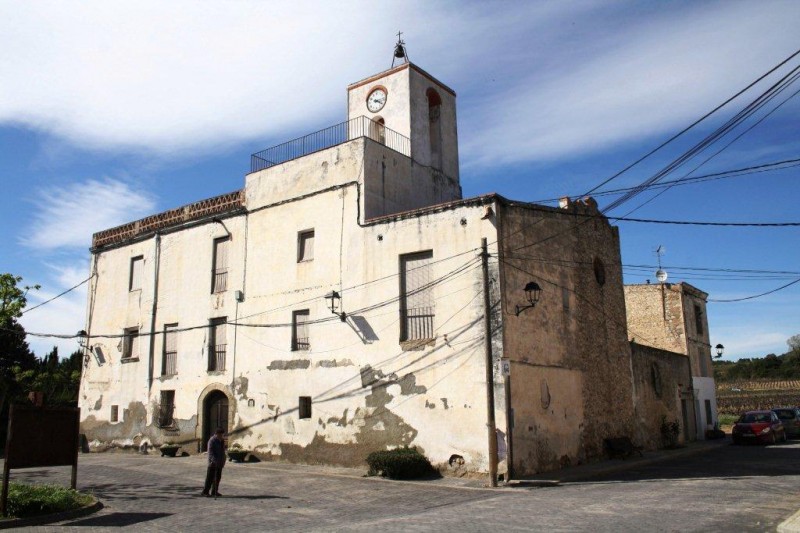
110	111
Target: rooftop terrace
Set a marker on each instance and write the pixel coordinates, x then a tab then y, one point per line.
326	138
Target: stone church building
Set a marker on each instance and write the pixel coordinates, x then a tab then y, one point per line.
335	306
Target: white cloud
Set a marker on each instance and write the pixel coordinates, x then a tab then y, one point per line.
64	315
536	80
657	75
66	217
751	341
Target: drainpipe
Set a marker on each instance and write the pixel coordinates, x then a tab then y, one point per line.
151	358
487	320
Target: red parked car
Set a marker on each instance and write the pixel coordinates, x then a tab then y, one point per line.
759	426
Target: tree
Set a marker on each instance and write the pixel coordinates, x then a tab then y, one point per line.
794	343
12	298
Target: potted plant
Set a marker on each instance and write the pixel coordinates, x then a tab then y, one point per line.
670	430
237	454
169	449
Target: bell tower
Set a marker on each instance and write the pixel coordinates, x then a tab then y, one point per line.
411	109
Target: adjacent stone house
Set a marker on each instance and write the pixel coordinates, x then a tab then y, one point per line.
672	317
335	306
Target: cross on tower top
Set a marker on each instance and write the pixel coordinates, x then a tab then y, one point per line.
400	49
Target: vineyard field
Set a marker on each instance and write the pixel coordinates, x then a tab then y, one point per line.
749	395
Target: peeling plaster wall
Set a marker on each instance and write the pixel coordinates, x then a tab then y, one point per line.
368	391
571	384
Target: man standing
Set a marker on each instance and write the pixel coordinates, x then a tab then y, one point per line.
216	461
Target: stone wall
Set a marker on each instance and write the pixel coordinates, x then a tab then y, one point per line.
662	380
569	356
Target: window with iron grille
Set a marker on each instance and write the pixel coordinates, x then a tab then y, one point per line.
166	408
135	279
115	413
300	330
304	409
217	345
305	246
169	360
130	343
698	319
417	306
219	272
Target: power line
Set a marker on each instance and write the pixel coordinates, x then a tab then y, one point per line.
695	123
758	169
756	295
57	295
759	121
713	137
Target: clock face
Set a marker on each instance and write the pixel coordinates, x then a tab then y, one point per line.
376	100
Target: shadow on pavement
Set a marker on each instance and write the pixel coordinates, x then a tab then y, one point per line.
725	462
140	491
118	519
252	497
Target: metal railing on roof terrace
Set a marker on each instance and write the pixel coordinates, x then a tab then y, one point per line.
322	139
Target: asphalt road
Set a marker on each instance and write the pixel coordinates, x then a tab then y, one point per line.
730	488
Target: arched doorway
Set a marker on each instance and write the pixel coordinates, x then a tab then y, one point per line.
215	415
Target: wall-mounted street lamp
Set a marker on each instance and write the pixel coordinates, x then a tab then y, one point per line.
720	348
532	293
334	302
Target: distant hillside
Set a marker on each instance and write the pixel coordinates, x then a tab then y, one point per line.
776	367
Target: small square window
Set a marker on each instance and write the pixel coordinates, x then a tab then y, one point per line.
130	343
304	410
135	279
115	413
305	246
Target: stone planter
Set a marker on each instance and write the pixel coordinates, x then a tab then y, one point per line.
169	451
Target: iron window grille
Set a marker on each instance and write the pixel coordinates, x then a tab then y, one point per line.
300	335
166	409
219	272
417	305
169	363
217	345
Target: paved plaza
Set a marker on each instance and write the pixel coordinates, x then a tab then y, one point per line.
722	488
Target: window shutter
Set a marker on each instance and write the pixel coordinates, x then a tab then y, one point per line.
137	265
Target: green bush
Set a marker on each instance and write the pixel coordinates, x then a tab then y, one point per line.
400	463
34	500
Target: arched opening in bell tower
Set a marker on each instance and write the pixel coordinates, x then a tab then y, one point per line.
435	127
377	129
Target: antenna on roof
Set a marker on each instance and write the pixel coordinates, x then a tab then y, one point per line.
661	274
400	49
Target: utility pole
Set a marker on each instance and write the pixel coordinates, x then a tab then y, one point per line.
487	320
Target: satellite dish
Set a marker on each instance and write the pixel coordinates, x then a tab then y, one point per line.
661	275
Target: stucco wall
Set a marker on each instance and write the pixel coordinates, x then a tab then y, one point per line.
394	183
368	392
570	359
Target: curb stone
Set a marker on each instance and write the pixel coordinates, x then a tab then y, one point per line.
52	517
791	524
